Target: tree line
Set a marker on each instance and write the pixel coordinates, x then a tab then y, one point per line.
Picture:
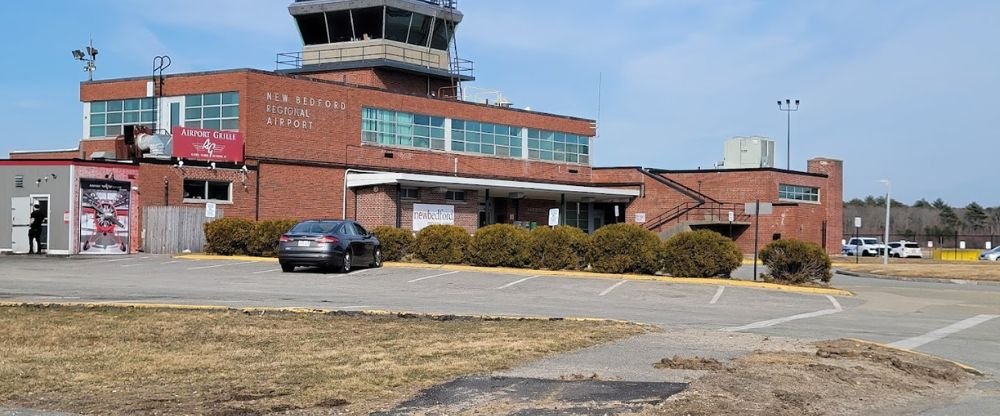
931	219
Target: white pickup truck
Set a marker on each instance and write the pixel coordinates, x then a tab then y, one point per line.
863	245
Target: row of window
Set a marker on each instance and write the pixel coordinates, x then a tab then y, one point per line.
107	118
217	111
485	138
397	128
798	193
414	193
556	146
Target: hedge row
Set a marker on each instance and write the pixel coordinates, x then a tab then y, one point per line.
237	236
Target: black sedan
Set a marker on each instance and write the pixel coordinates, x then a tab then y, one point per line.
343	244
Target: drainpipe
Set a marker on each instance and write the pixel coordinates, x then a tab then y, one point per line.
399	205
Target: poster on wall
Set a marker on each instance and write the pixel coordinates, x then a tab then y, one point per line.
104	216
429	214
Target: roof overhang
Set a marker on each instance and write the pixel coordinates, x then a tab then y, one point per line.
500	188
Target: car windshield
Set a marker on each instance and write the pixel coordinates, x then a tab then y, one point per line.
315	227
870	241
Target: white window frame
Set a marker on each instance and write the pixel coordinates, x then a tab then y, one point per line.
206	200
819	194
465	197
404	190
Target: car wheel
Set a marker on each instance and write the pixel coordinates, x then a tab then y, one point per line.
377	258
345	266
287	268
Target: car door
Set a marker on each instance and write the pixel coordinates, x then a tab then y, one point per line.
368	241
356	243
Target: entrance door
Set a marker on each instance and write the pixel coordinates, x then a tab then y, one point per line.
20	208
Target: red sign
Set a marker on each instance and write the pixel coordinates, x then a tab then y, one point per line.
208	145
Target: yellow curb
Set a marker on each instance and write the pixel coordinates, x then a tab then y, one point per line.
666	279
318	311
963	366
570	273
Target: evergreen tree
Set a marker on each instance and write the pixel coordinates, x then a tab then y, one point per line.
856	202
976	217
949	220
939	204
871	201
922	203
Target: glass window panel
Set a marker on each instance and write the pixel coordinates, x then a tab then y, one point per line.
547	145
192	101
472	147
422	142
96	119
114	118
386	127
515	152
584	150
404	118
230	124
212	112
420	30
437	133
570	157
486	138
533	144
113	130
457	125
115	105
131	117
384	115
405	140
487	128
421	120
339	26
487	149
504	130
560	137
368	137
192	113
148	116
546	155
218	191
194	189
148	104
560	156
458	146
211	124
230	98
397	24
515	131
231	111
211	99
437	144
584	159
422	131
502	151
548	135
98	106
404	130
534	134
534	154
472	126
472	137
502	140
97	131
572	148
559	147
387	138
196	124
458	135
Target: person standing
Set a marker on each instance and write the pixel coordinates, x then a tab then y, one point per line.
35	230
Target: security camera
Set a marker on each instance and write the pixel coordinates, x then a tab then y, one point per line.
211	165
245	169
180	163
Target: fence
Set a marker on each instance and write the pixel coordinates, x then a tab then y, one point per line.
168	230
952	241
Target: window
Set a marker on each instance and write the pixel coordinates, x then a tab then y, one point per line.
485	138
798	193
578	215
108	117
216	111
361	230
315	227
455	196
396	128
558	147
207	190
408	193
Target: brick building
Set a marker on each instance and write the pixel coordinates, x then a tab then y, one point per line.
367	122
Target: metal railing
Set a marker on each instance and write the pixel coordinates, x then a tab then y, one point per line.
718	211
296	60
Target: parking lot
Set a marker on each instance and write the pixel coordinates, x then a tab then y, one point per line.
950	320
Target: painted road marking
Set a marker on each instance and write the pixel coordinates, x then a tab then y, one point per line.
516	282
359	271
911	343
267	271
220	265
432	276
718	294
613	287
170	262
124	259
772	322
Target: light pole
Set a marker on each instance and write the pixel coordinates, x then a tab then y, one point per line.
88	58
787	108
888	204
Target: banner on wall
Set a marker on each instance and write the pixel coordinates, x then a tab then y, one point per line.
429	214
207	145
104	216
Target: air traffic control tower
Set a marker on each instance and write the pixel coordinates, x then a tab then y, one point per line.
400	45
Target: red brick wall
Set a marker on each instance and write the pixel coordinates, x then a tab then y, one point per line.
300	192
155	177
71	154
377	207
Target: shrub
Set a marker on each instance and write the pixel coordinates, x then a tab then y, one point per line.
796	262
562	247
500	245
396	242
441	244
228	236
264	239
624	248
700	253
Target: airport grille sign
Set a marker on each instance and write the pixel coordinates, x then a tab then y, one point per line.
207	145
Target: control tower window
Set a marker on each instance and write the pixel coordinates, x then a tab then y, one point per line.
368	23
313	28
443	31
339	25
420	29
397	24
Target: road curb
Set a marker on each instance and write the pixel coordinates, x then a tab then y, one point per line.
968	368
569	273
918	279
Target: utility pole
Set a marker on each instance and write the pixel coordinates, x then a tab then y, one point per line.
787	108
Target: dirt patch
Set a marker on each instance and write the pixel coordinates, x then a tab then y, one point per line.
111	360
696	363
986	271
842	377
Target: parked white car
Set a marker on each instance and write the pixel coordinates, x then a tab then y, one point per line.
863	245
905	249
990	255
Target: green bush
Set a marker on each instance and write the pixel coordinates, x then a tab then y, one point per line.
396	242
624	248
228	236
562	247
796	262
701	253
440	244
500	245
264	239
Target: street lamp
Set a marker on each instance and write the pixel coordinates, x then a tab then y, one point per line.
888	204
89	58
787	108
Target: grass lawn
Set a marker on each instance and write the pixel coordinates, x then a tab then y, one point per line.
922	268
110	360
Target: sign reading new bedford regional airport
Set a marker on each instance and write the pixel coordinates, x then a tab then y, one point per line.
207	145
428	214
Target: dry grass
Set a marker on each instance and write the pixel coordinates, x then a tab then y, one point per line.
925	268
152	361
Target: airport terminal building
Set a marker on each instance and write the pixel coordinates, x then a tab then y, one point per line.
369	121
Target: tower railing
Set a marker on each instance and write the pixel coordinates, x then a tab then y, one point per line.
297	60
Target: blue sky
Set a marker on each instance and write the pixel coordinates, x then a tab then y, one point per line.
904	90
